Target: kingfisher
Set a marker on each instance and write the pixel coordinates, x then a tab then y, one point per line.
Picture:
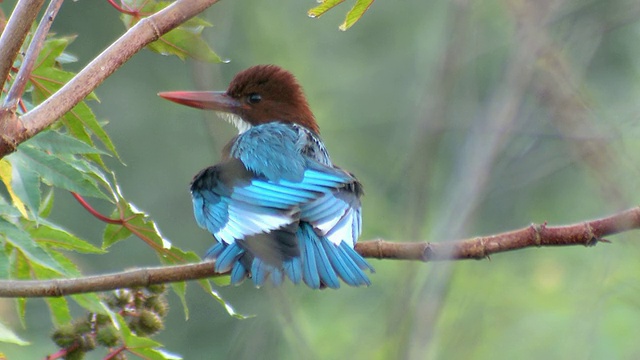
276	205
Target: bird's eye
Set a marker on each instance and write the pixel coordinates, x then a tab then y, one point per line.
254	98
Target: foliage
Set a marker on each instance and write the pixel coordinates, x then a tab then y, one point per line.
356	12
136	315
70	156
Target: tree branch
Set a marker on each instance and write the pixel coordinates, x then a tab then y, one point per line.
15	32
144	32
17	88
585	233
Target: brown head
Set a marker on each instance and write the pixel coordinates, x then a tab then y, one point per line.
257	95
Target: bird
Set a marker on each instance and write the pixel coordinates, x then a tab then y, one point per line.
275	204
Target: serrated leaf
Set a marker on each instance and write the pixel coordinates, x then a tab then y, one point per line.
139	224
114	233
153	354
4	263
20	270
356	13
46	204
31	250
26	185
51	50
184	43
222	280
227	306
6	174
56	172
58	143
51	236
180	289
82	113
47	78
21	309
93	303
66	58
59	309
130	339
8	336
325	6
168	355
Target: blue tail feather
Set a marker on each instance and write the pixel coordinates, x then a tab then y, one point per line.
293	269
359	260
360	277
259	272
327	274
337	260
228	257
214	251
321	263
238	273
277	276
309	267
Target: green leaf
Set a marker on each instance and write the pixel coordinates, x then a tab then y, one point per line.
183	44
6	174
50	235
130	339
114	232
153	354
66	58
183	41
48	78
51	50
20	270
31	250
180	288
8	336
26	185
7	210
59	309
356	13
226	305
83	113
325	6
57	172
47	204
358	10
4	263
94	304
58	143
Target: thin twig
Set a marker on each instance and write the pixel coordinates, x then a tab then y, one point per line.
14	34
144	32
17	88
585	233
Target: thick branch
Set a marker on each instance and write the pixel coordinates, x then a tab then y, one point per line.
143	33
586	233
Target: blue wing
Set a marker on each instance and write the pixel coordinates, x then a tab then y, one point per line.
280	216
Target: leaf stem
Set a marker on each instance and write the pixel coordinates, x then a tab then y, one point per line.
135	13
95	212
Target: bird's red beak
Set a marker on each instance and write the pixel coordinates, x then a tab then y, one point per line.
210	100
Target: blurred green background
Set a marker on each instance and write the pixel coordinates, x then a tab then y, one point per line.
461	118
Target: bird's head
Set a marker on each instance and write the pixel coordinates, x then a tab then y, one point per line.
257	95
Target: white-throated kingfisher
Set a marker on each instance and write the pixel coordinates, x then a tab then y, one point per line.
275	204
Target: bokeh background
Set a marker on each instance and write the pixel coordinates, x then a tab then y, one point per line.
461	118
